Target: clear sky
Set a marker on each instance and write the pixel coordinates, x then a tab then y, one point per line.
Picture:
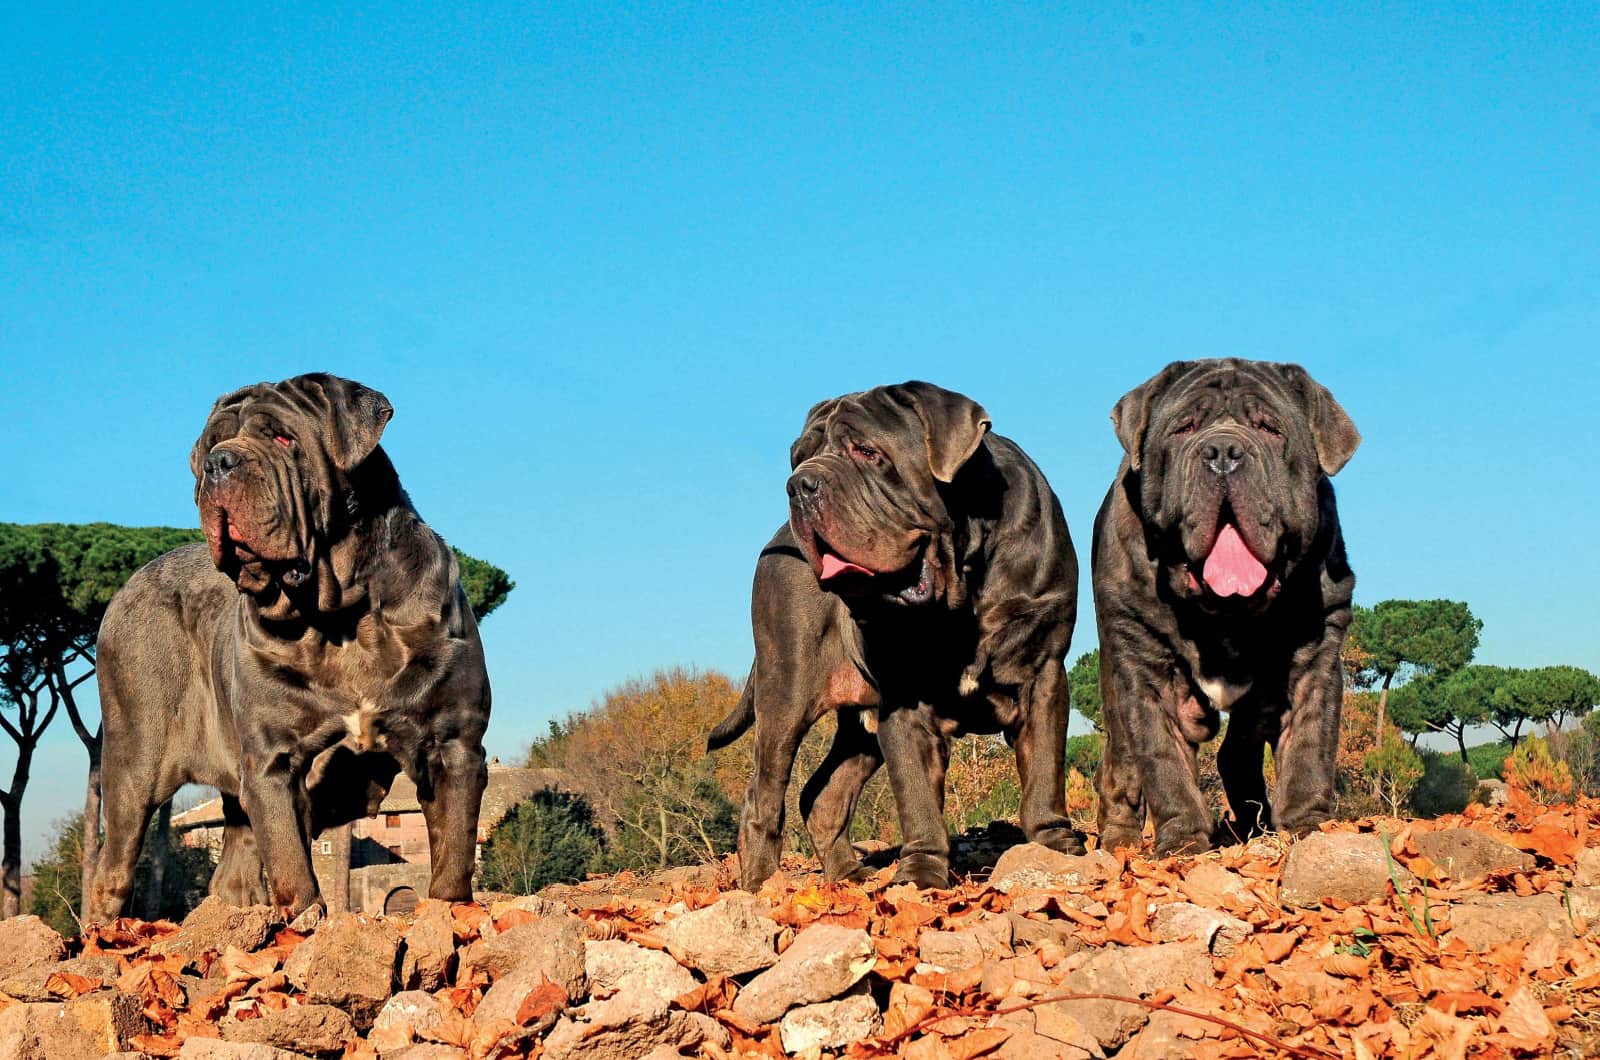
602	261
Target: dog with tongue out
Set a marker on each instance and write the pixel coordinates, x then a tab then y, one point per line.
1221	585
924	586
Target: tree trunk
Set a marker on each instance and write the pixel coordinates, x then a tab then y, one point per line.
1461	742
1377	736
1516	733
11	862
663	860
160	844
91	821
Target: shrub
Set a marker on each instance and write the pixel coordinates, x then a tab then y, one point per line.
1393	770
1538	773
550	838
1447	785
1083	753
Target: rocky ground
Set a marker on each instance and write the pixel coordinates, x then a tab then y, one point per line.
1469	936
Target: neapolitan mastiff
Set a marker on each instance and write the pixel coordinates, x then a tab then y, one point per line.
925	586
316	643
1221	584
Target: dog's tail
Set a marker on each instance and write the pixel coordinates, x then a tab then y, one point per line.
734	725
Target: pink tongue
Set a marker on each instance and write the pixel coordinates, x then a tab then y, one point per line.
833	566
1232	569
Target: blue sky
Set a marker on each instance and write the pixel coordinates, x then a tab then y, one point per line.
602	261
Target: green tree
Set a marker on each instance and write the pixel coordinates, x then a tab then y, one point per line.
55	583
550	838
1083	684
1448	705
1416	638
1553	694
673	814
1393	768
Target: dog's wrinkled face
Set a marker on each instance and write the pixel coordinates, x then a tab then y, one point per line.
271	468
864	498
1230	455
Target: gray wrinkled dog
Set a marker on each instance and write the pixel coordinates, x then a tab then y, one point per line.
924	586
316	644
1221	584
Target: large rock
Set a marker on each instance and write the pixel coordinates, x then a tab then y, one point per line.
618	1030
218	1049
1468	854
305	1028
552	947
1586	873
1130	971
956	951
353	964
403	1016
1351	867
1219	932
504	999
33	984
617	967
731	937
89	1026
216	925
430	952
26	941
823	962
1488	920
1037	1034
1030	866
829	1024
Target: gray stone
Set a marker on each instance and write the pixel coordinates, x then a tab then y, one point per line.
1130	971
1488	920
956	951
553	946
26	941
30	983
731	937
216	925
353	964
1030	866
1586	873
92	1025
616	967
829	1024
1468	854
217	1049
504	999
430	952
1351	867
823	962
403	1015
617	1029
1219	932
304	1028
1214	887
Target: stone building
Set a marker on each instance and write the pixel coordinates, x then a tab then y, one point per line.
384	857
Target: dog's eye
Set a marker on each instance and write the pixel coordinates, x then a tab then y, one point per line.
864	452
1187	427
1268	427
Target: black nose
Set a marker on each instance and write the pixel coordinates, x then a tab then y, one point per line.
1222	459
804	485
221	461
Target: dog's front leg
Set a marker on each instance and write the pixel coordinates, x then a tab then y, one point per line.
1041	740
916	754
268	781
457	774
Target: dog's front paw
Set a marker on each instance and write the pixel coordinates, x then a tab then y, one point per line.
1061	840
923	871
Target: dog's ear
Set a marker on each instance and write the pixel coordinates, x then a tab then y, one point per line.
1131	415
356	418
953	425
1332	430
813	434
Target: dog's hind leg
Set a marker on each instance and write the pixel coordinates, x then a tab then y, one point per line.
828	801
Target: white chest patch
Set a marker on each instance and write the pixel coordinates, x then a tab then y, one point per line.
362	730
1222	694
